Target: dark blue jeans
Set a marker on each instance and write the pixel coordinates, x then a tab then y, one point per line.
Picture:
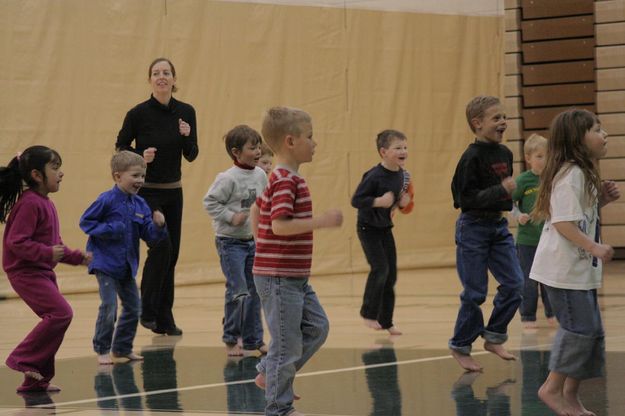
378	302
531	287
483	245
108	336
242	304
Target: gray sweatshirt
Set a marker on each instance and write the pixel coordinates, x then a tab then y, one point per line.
234	190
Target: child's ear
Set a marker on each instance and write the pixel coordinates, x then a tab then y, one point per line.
236	152
36	176
117	176
527	160
289	140
476	122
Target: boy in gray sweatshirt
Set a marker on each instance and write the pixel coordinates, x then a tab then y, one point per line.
228	202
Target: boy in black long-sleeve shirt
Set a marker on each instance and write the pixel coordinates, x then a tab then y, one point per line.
481	188
382	189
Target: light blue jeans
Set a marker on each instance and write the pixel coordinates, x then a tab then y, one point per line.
242	305
579	346
298	326
108	336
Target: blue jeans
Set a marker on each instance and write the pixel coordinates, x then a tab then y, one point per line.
531	287
578	348
298	326
483	245
108	336
242	305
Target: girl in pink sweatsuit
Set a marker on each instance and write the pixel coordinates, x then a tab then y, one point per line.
31	247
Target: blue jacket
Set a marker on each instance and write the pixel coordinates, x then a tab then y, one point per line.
114	224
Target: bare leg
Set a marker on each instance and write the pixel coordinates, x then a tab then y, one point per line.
466	361
551	393
571	396
233	350
499	350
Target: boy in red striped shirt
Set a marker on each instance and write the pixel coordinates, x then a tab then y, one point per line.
283	224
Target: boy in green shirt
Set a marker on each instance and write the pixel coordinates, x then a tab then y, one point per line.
524	197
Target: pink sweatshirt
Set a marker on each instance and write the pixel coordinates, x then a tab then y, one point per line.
31	230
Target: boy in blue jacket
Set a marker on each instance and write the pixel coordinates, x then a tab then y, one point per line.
114	224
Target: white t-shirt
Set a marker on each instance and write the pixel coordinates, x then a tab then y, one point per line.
558	262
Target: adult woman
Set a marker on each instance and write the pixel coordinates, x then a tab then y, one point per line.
163	130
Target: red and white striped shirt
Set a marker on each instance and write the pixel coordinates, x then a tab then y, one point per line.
286	196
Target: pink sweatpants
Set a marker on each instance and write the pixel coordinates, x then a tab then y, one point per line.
36	352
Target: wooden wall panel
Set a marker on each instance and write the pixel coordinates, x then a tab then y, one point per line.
612	169
577	71
614	124
512	19
540	118
616	148
558	28
610	11
611	79
534	9
611	57
512	106
560	50
611	102
563	94
512	42
515	129
613	235
512	63
613	214
512	85
611	34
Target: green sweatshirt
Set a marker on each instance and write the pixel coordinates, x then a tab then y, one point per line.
524	196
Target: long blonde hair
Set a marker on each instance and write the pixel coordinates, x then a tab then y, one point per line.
567	146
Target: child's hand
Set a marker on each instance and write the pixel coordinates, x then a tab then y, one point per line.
385	201
331	218
602	251
509	183
184	127
523	219
404	199
158	218
239	218
58	251
609	192
87	257
149	154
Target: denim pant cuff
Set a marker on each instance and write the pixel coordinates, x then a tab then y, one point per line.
464	350
260	367
494	337
528	318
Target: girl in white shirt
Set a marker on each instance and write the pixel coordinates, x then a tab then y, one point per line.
570	254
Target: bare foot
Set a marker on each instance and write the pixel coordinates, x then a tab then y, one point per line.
394	331
499	350
529	324
263	349
555	401
233	350
104	359
52	388
34	374
372	323
466	361
126	358
552	321
576	405
260	382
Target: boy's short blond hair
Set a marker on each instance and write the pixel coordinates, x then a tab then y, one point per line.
265	150
124	160
478	106
280	122
533	143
